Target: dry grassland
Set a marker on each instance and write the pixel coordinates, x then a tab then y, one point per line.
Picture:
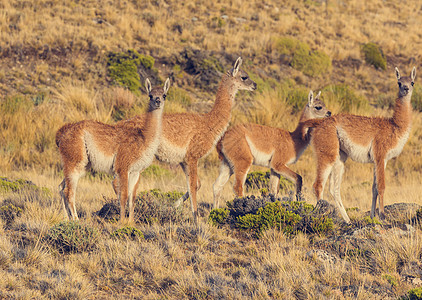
54	70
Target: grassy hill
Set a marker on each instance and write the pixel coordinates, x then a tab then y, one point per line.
65	61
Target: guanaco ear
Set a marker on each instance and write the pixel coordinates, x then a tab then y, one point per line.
166	85
319	94
148	86
236	66
397	74
413	74
310	98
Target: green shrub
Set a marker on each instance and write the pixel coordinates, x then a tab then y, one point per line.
123	68
261	180
374	56
18	185
72	236
391	280
128	232
273	215
300	56
8	212
320	225
414	294
344	94
218	216
155	206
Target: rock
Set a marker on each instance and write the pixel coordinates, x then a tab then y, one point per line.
322	256
240	20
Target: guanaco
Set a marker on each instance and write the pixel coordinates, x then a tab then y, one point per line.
364	139
250	144
187	137
124	149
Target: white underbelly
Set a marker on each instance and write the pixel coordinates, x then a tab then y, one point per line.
358	153
98	160
394	152
261	158
170	153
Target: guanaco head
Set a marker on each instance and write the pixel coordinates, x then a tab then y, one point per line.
315	107
241	78
157	95
406	83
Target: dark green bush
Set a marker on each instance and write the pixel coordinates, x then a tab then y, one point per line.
72	236
300	56
218	216
374	56
273	215
123	68
128	232
258	214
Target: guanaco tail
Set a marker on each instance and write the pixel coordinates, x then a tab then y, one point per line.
364	139
124	150
249	144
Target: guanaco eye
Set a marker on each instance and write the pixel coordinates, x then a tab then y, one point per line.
399	84
164	96
318	107
412	83
150	97
244	78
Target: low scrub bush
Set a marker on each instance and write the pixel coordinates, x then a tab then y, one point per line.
414	294
9	212
272	215
218	216
123	68
128	232
72	237
261	180
374	56
300	56
155	206
257	214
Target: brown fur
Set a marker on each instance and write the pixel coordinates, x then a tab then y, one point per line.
123	149
363	139
247	144
189	136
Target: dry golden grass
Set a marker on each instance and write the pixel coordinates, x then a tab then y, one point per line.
54	71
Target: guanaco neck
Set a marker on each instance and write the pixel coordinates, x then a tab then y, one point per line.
402	116
218	118
297	134
152	126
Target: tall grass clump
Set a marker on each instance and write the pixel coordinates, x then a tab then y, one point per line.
343	95
26	134
300	56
